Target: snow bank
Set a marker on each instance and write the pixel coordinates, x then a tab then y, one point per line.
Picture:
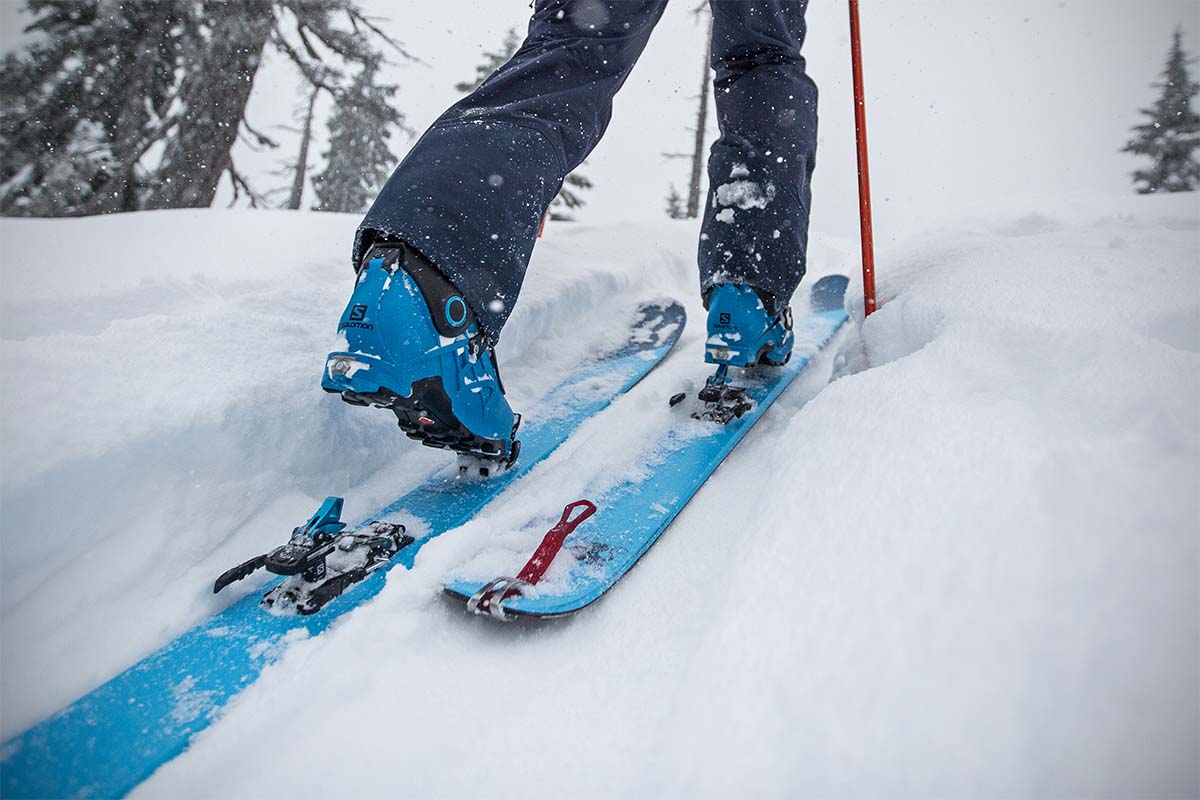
975	572
966	567
162	417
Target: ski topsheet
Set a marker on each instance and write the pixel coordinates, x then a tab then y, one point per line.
628	518
108	741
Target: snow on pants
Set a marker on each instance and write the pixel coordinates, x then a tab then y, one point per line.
471	193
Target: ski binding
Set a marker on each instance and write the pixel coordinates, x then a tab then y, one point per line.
321	560
721	400
478	464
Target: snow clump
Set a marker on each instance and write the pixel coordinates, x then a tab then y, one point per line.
745	194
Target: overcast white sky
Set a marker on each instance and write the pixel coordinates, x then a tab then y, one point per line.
969	101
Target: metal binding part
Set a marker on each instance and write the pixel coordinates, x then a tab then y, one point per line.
489	600
721	401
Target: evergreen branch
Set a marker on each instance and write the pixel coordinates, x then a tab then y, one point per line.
318	77
151	137
312	16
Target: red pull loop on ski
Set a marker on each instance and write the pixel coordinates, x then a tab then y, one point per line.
539	562
490	598
588	507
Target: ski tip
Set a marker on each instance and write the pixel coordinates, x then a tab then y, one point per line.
663	319
829	293
658	324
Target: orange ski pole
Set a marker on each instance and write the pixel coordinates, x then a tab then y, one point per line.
864	181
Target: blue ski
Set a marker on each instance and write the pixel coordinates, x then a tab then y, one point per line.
631	516
113	738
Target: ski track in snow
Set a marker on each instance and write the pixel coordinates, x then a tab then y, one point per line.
966	567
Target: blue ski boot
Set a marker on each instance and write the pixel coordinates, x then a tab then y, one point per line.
412	345
746	327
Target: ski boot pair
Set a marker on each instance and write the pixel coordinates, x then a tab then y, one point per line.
413	345
747	327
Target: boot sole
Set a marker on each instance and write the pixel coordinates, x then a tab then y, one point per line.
427	416
767	362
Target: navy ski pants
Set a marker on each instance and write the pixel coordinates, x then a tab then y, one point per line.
471	193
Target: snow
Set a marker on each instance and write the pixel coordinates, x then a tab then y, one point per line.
966	566
744	194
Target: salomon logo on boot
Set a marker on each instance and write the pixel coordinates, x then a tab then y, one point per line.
356	318
747	327
411	344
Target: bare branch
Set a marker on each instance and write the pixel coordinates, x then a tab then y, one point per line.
367	22
241	185
236	192
262	138
312	51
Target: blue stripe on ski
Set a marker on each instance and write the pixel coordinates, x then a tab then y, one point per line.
113	738
634	514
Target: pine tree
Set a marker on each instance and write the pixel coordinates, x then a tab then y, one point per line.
300	168
1172	135
359	159
81	107
675	208
213	97
569	198
213	105
698	154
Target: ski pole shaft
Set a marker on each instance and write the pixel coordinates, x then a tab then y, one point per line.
864	181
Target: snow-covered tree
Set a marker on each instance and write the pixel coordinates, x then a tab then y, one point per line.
1172	134
120	105
80	108
319	37
569	198
212	104
359	159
